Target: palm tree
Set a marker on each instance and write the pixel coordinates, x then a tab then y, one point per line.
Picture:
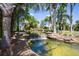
10	14
62	16
17	13
54	6
51	7
71	11
47	20
32	22
7	13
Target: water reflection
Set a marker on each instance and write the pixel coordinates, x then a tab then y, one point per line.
39	47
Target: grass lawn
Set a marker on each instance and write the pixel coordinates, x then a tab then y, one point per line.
61	49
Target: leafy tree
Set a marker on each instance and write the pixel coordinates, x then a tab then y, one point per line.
47	20
62	16
32	23
76	26
52	7
18	17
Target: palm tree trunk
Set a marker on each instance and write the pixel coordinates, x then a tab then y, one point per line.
71	17
53	7
1	24
6	29
50	17
54	21
71	27
7	12
6	34
1	29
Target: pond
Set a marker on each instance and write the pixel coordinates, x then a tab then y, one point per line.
54	48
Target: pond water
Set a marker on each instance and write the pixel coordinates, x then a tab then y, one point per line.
54	48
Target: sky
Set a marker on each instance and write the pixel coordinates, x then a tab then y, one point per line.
39	15
42	14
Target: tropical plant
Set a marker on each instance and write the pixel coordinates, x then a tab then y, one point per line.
51	7
17	15
62	16
76	26
71	15
32	23
47	21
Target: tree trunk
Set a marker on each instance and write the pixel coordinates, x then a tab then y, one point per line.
53	18
54	21
1	30
7	13
49	25
71	27
71	17
6	33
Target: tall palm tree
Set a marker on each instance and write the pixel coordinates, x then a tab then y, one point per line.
71	15
62	16
51	7
54	6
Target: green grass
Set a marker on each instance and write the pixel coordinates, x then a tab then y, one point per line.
68	33
60	49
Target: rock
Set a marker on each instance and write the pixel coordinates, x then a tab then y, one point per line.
68	39
27	53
